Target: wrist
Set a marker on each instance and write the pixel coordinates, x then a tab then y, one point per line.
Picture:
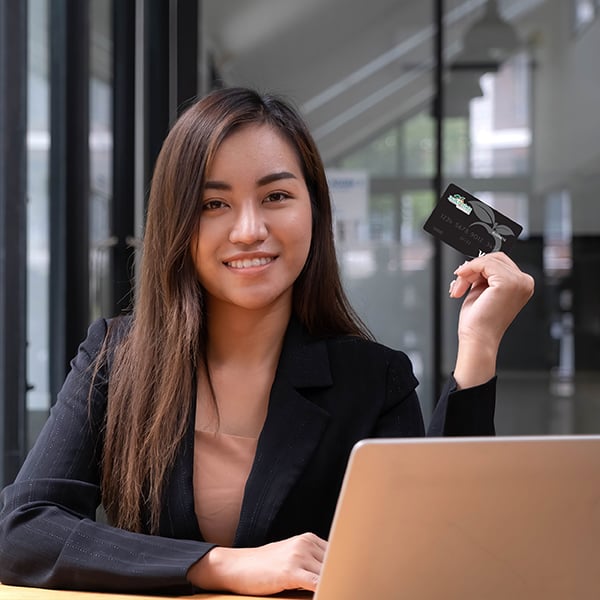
208	573
475	365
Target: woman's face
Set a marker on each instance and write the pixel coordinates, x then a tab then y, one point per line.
254	232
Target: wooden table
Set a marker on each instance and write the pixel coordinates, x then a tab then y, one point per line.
9	592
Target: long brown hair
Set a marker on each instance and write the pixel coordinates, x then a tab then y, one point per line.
152	378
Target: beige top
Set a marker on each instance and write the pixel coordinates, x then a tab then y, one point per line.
225	446
222	463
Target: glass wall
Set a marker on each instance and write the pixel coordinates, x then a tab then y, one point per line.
520	130
38	218
101	158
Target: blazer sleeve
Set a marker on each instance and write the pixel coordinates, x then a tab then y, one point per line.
465	412
49	536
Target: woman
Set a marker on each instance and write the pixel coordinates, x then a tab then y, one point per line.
215	423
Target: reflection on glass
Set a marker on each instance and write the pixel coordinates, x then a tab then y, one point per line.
38	257
584	12
418	145
378	157
557	269
101	148
500	135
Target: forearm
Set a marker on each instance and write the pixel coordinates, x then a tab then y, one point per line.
44	545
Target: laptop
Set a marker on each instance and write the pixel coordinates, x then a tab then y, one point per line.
467	518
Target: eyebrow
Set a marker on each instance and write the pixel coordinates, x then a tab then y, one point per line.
275	177
270	178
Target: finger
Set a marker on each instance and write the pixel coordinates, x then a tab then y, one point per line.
320	544
317	544
311	573
487	265
313	564
307	581
488	269
459	286
498	269
318	553
314	552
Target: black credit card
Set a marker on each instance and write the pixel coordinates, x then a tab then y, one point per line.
470	225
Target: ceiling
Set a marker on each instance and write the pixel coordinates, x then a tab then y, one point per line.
353	68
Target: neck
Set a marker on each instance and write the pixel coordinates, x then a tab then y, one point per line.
249	337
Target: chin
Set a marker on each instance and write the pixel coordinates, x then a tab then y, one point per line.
263	303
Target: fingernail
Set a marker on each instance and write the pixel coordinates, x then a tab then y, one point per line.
451	287
460	266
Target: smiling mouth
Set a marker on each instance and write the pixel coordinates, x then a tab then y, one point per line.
246	263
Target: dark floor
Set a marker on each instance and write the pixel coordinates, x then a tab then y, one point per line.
531	403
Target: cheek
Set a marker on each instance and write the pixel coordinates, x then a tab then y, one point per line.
303	229
205	239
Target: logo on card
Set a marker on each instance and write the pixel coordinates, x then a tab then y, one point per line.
460	203
488	221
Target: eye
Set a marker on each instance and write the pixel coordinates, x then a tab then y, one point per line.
213	205
277	197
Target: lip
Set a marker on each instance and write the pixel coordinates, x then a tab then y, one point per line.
249	261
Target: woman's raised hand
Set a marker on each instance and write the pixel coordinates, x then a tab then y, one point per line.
289	564
497	291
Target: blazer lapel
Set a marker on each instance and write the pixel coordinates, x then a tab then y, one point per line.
292	430
178	518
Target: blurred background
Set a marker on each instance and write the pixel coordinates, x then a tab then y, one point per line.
402	96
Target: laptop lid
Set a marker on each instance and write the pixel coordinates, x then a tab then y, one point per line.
486	518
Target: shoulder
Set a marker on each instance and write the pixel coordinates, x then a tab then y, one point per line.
346	348
354	348
112	330
102	339
367	378
367	361
115	328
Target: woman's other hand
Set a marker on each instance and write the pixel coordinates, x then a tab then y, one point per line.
289	564
497	291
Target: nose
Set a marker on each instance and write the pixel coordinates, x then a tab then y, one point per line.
249	226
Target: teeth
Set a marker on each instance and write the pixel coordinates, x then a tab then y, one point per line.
249	262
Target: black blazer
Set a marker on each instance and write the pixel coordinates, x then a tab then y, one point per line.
327	395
